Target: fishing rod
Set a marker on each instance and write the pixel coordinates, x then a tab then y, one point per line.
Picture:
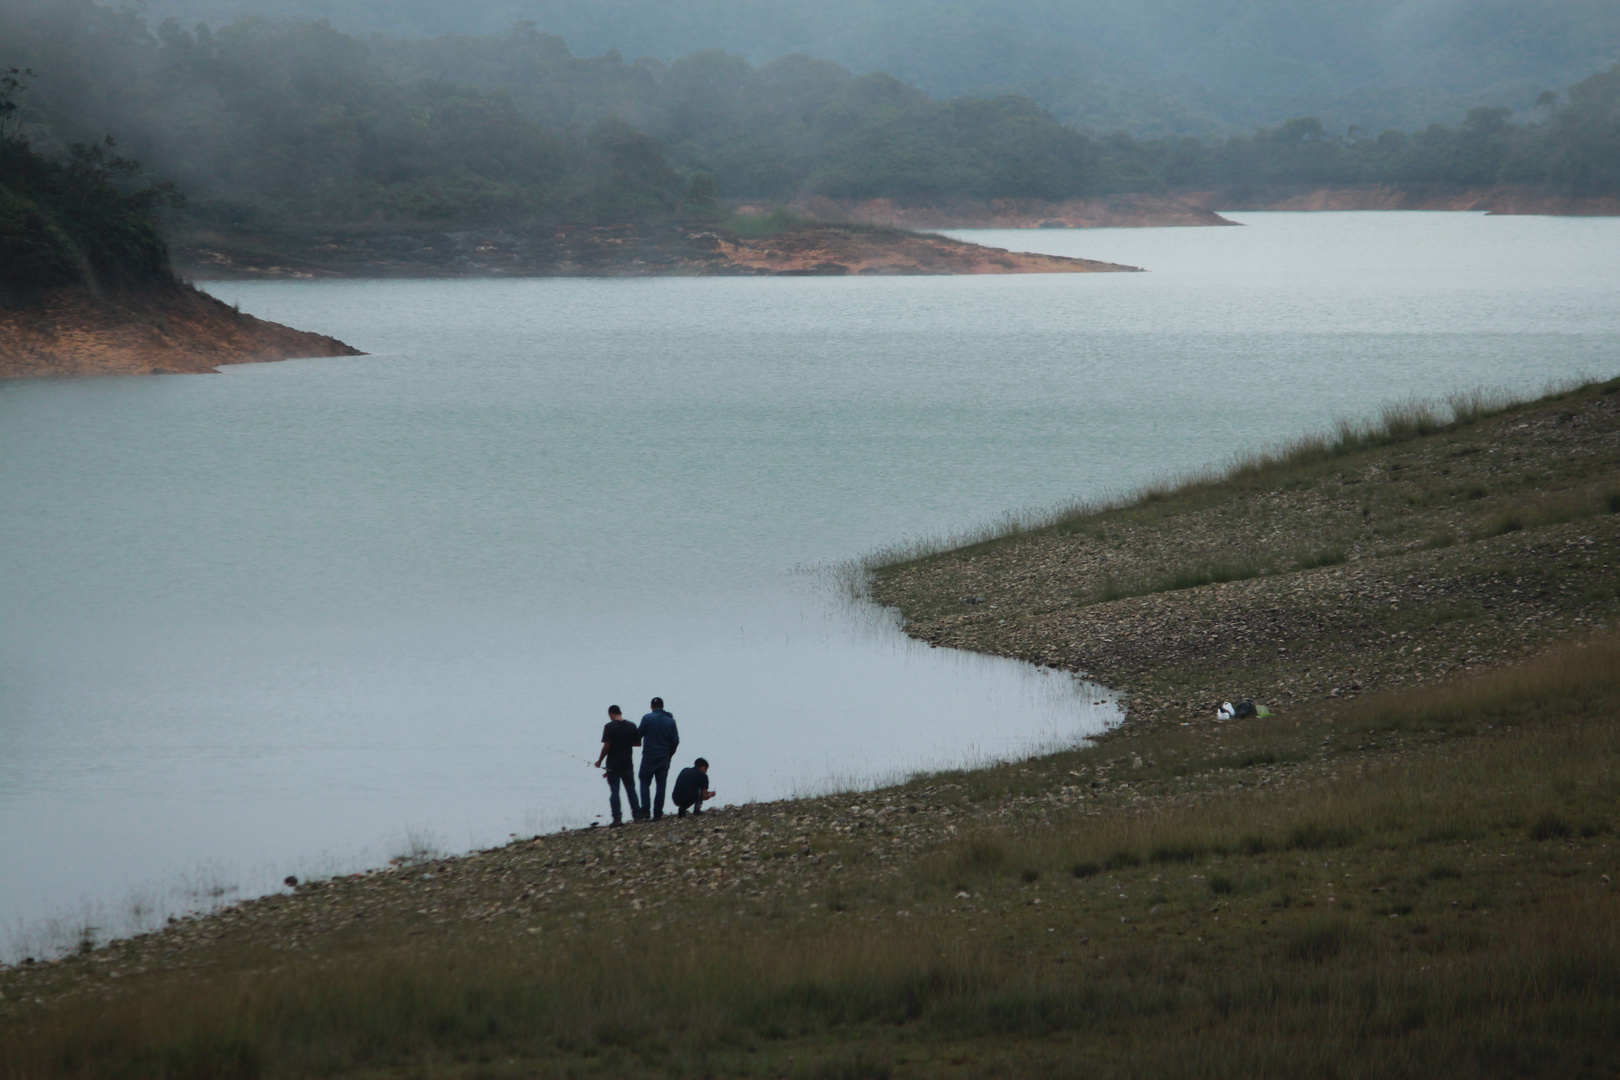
571	757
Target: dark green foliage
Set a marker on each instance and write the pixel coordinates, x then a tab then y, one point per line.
77	219
34	253
627	174
758	225
1575	150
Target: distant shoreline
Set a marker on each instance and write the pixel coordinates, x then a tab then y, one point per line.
1502	199
832	237
810	249
1196	208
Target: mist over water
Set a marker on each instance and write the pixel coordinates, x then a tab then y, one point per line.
296	617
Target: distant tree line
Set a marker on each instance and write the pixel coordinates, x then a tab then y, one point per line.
1151	67
288	120
1573	149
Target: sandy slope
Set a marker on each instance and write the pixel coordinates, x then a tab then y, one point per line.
74	332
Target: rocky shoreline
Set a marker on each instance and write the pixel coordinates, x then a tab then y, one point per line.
646	875
1147	874
1390	567
173	330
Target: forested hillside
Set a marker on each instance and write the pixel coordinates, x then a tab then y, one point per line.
1573	148
295	119
284	121
1151	67
75	220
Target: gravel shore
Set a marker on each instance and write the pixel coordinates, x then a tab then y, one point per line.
1458	551
1447	553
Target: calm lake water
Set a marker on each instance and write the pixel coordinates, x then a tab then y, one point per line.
295	617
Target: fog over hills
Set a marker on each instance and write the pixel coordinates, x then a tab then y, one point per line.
1149	66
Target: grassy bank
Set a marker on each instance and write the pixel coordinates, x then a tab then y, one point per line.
1428	543
1418	884
1408	871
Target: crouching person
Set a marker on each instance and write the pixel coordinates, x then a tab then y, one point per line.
692	787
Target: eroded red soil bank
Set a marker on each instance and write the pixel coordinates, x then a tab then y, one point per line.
74	332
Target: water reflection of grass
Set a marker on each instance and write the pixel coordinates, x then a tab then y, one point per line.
1413	884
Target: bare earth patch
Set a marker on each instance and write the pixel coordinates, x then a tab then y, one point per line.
73	332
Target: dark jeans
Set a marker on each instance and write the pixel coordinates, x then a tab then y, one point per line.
614	779
696	805
650	771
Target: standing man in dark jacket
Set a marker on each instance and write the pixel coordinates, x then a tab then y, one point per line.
619	737
659	738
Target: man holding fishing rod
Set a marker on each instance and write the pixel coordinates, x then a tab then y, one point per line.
619	737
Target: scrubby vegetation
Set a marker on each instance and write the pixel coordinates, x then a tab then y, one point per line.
1432	541
1417	884
73	220
1574	148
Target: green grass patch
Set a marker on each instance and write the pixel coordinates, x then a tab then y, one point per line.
760	226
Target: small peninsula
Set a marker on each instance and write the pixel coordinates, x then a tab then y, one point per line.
85	282
1427	545
778	244
158	330
1426	602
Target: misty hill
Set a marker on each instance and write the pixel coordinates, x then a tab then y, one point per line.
1151	67
270	122
297	119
